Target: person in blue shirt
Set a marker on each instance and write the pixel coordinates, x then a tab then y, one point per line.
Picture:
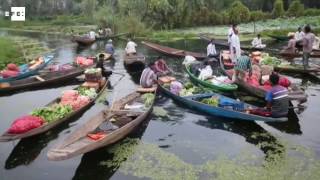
109	47
277	98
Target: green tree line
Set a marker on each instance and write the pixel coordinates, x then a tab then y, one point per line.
164	14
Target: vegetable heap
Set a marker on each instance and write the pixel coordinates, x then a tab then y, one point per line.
213	101
148	99
89	92
268	60
53	113
189	90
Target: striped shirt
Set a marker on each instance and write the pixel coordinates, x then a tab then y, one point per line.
147	78
243	63
278	97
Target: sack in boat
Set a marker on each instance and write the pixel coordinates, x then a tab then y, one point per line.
285	82
9	73
25	124
13	67
97	136
82	61
176	87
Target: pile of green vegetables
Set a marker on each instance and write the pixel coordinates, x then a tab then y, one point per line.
148	99
52	113
268	60
189	90
90	92
213	101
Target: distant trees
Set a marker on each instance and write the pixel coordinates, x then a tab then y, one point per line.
238	13
164	14
295	9
278	9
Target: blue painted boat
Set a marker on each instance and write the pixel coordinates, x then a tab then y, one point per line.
25	72
193	102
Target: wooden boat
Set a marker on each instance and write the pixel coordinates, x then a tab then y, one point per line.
224	43
81	40
42	80
134	60
26	72
47	126
111	36
223	87
79	143
279	37
193	102
173	52
295	93
314	54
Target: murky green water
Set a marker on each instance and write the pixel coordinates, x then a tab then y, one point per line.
182	145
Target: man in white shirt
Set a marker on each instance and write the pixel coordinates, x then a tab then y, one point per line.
92	35
235	52
299	34
231	32
131	47
257	42
211	49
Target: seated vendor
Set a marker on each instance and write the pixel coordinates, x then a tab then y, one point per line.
277	98
148	77
257	42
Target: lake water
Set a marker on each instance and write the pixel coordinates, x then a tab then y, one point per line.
181	145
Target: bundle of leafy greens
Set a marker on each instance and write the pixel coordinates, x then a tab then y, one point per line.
148	99
52	113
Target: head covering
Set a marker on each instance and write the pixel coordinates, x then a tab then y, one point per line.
110	41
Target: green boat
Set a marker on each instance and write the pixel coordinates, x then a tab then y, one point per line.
222	87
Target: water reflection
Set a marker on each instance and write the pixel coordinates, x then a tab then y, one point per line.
291	126
27	150
90	165
251	131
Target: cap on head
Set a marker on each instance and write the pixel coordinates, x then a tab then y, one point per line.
110	41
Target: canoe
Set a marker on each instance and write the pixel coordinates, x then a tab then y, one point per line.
222	87
295	93
78	142
279	37
193	102
111	36
173	52
134	60
26	72
47	126
224	43
85	41
314	54
42	80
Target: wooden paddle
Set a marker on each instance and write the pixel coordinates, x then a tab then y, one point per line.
39	78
